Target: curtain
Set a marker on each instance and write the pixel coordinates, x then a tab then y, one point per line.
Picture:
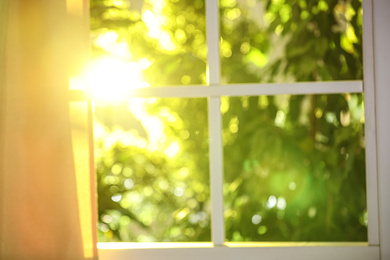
47	194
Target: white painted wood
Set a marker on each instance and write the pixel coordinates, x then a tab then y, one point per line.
296	88
253	89
151	245
216	171
202	91
93	177
370	125
338	252
381	25
215	125
174	245
212	34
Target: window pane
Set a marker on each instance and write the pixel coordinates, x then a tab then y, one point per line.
164	40
294	168
289	40
153	170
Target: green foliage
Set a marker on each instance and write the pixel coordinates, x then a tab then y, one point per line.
163	195
305	177
294	165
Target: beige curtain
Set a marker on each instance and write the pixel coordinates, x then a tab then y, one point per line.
47	194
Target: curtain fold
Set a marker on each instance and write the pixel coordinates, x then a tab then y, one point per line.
47	195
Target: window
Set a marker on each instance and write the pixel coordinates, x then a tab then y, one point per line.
216	95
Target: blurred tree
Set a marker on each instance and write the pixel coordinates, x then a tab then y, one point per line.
294	168
294	165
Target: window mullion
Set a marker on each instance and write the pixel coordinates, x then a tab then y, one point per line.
232	90
216	171
212	29
215	125
370	124
252	89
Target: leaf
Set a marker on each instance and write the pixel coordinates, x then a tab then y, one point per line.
257	57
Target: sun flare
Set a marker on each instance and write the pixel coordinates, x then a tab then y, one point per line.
112	79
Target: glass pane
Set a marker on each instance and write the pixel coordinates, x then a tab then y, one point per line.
289	40
294	168
153	170
162	42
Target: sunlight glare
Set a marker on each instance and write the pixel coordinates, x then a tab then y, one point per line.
172	150
154	22
108	41
107	38
153	125
112	79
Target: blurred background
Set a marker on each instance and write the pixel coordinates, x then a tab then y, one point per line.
294	165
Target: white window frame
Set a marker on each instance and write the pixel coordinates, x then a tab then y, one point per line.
377	148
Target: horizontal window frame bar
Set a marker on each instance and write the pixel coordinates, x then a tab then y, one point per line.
252	89
165	245
302	251
298	88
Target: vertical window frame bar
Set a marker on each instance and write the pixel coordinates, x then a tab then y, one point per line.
215	125
370	124
92	169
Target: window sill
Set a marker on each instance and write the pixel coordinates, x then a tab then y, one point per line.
233	251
